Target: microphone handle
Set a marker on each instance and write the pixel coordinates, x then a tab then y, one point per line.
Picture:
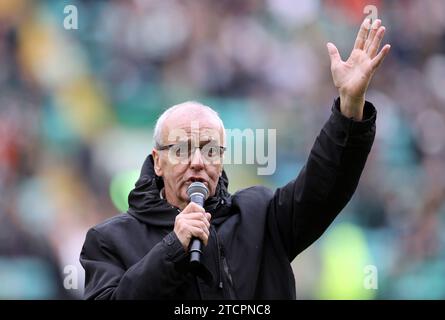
195	251
196	244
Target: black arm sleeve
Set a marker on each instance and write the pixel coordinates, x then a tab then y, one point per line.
155	276
303	209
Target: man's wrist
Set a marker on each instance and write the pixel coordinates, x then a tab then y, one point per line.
352	107
175	249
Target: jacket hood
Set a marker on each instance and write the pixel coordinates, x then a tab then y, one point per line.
146	204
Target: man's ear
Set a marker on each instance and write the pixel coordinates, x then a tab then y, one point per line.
157	162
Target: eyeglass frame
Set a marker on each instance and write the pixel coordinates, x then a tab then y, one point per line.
193	149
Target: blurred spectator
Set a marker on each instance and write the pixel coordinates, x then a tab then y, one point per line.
77	109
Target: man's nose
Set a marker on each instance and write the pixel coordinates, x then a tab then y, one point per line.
197	161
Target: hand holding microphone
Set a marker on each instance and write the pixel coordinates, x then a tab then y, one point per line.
192	224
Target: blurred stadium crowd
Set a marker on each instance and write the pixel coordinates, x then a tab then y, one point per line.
77	110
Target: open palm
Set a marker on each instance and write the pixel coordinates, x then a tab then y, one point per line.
353	76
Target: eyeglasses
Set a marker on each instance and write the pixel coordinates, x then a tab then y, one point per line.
184	150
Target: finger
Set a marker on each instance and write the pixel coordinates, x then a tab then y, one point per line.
193	207
199	233
334	55
363	32
196	221
375	26
198	216
205	221
377	61
199	224
375	45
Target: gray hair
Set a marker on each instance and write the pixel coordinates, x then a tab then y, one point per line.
160	122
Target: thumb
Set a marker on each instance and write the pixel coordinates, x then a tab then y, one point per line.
193	207
333	53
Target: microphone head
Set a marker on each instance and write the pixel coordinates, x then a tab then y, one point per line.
198	187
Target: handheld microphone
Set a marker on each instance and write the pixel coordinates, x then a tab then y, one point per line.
198	193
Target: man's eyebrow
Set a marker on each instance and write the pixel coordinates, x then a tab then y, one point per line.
211	140
201	142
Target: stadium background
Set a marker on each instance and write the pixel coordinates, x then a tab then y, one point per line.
77	109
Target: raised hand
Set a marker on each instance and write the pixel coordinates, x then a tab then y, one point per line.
352	77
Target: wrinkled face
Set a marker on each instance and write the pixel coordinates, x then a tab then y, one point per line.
194	136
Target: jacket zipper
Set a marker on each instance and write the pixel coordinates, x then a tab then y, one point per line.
226	266
229	293
220	281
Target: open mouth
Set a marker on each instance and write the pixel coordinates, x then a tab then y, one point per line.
196	179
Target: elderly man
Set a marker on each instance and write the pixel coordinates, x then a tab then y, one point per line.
249	237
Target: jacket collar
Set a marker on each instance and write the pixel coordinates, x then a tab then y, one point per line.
146	204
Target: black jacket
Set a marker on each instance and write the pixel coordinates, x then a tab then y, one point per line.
255	233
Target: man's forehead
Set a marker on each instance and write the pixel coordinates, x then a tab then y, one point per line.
204	125
194	125
195	133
